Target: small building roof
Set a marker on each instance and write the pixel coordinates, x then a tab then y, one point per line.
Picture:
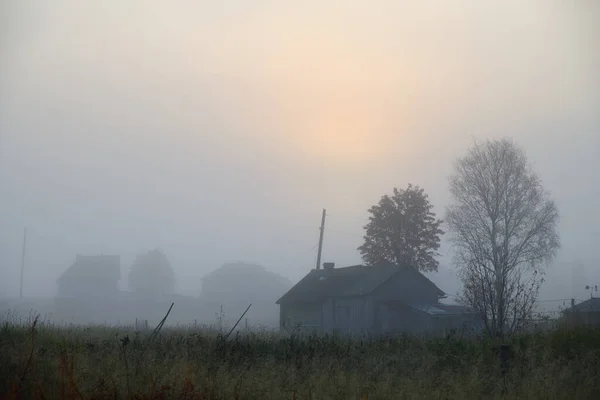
592	305
241	270
92	267
357	280
440	309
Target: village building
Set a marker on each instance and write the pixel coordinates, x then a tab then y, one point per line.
91	276
88	291
586	313
234	286
367	300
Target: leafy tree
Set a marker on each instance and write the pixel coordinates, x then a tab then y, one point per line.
151	274
503	226
402	229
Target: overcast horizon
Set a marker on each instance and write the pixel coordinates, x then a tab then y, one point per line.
218	131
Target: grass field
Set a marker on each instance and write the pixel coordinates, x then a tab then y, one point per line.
50	362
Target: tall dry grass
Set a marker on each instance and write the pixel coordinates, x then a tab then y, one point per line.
42	361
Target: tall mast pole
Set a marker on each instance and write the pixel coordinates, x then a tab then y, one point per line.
23	262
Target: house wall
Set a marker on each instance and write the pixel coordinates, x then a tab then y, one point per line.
349	316
368	314
401	320
305	316
381	319
364	316
584	318
328	316
344	316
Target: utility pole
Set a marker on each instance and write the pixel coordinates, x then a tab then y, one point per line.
322	229
23	263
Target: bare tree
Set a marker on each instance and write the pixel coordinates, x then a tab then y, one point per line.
503	225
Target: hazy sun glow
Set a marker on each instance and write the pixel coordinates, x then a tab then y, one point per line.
332	87
221	128
346	81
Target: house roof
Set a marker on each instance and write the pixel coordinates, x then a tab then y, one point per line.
93	267
357	280
592	304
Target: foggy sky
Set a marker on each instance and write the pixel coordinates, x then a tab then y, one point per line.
218	130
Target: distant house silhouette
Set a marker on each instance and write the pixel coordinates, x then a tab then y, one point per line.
236	285
378	299
91	276
234	279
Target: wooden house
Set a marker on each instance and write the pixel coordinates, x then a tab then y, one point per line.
377	299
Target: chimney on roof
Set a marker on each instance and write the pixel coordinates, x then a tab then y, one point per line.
328	265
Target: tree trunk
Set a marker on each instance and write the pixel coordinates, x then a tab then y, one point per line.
499	304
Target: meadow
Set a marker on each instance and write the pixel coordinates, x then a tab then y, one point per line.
40	360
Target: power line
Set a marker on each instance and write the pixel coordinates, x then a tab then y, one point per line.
552	300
